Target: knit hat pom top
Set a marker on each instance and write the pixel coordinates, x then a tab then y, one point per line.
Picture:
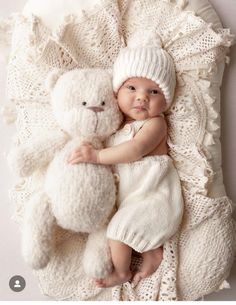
145	57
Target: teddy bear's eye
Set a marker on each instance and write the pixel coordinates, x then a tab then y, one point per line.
103	103
84	103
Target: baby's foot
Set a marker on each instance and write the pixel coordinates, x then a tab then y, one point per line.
113	279
151	261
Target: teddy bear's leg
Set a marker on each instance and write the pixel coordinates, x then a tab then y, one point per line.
38	231
97	259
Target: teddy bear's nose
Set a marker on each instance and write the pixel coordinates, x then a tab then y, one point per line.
95	109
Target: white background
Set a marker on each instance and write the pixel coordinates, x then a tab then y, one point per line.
11	262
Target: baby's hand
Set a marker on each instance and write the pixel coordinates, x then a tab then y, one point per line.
84	154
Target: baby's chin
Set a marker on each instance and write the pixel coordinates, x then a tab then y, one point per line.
138	114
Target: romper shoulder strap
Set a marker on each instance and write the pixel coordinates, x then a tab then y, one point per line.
136	125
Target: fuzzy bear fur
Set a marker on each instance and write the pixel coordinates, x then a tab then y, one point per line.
78	197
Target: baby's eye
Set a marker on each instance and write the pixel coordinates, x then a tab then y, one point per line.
132	88
84	103
154	91
103	103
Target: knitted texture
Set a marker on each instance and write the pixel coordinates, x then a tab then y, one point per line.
78	197
149	199
208	233
148	60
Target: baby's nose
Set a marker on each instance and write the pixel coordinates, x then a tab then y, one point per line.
141	98
95	109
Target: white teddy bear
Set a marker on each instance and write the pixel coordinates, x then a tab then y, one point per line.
78	197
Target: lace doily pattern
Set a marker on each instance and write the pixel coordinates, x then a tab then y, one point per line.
207	238
198	258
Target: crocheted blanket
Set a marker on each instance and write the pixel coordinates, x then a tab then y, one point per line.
198	258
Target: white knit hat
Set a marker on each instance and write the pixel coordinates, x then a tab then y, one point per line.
148	60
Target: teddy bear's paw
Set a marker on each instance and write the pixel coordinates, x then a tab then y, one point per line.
97	259
37	260
97	266
38	231
20	162
36	249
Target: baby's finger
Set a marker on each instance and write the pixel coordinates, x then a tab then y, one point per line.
70	158
73	156
77	160
77	150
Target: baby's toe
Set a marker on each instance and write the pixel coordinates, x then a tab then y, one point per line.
99	283
136	279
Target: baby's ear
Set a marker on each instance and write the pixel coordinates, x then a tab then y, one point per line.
52	78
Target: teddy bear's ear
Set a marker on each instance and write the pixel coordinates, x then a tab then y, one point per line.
52	78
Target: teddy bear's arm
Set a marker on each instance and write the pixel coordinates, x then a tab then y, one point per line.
27	158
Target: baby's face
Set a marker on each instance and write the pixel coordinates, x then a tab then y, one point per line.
140	98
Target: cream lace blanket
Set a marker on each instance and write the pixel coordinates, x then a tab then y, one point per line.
197	259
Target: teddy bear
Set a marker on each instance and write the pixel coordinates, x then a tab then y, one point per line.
79	197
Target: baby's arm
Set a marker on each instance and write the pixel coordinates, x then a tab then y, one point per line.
144	142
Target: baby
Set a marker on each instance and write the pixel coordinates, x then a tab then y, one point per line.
150	203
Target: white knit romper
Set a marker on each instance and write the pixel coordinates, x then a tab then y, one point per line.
150	204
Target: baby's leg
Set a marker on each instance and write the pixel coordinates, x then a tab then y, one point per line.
151	261
121	258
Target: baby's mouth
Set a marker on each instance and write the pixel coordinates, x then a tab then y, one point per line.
140	108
